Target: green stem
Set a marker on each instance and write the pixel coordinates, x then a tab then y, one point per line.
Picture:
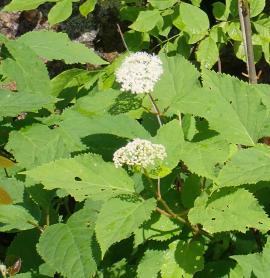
157	112
244	16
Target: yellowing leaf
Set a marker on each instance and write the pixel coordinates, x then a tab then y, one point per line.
5	162
5	199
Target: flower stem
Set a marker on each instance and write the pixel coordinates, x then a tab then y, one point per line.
156	109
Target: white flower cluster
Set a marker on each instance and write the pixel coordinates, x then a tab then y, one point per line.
140	153
139	73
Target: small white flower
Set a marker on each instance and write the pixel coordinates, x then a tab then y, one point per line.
140	153
139	73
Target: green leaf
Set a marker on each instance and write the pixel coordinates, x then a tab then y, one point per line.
207	53
14	188
171	137
179	78
87	7
149	266
17	68
61	11
229	210
195	21
11	104
183	259
19	5
256	7
78	126
119	217
147	20
14	217
57	46
204	157
83	176
191	190
161	4
70	254
257	263
247	166
231	103
35	145
158	228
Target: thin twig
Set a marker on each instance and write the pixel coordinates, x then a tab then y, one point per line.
155	108
122	36
6	172
161	211
244	15
219	65
36	225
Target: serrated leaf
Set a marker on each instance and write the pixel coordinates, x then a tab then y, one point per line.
203	157
35	145
257	263
83	176
14	217
17	68
11	104
158	228
14	188
179	78
149	265
161	4
19	5
228	102
183	259
57	46
191	190
61	11
119	217
71	253
171	137
77	125
247	166
229	210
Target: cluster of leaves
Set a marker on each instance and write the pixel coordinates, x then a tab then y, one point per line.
177	26
71	213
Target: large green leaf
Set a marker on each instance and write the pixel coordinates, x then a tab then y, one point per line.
19	68
229	210
35	145
232	107
70	254
57	46
77	125
182	259
83	176
247	166
158	228
11	104
257	263
147	20
171	136
204	157
19	5
119	217
149	265
14	217
179	78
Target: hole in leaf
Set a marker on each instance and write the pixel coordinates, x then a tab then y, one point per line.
77	179
213	218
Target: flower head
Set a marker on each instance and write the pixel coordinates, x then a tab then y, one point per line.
3	269
139	73
140	153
